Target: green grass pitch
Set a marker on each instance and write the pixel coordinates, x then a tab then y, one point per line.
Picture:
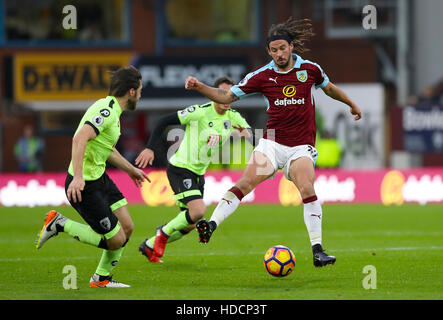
403	243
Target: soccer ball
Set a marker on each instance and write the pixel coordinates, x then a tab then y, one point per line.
279	261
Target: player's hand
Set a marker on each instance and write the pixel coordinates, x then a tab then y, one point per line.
192	83
356	112
242	132
239	128
138	176
144	158
75	188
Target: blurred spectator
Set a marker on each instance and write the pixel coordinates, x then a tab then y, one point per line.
97	21
329	151
91	23
431	95
29	151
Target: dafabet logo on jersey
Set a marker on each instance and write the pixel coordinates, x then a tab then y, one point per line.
289	91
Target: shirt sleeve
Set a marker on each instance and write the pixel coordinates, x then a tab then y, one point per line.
192	113
99	118
249	85
321	79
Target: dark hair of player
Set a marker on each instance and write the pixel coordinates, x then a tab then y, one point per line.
124	79
225	80
295	31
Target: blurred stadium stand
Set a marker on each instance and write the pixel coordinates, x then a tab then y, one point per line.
51	75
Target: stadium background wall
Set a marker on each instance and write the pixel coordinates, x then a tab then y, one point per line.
360	67
385	186
346	61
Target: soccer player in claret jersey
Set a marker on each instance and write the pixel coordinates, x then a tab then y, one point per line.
88	187
289	142
208	126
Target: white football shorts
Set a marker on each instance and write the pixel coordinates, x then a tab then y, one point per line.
281	156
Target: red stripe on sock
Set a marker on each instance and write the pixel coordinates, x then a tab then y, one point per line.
310	199
237	192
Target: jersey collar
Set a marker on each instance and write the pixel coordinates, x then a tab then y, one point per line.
297	63
115	105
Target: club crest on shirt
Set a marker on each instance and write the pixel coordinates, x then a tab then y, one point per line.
302	75
227	124
187	183
98	120
243	82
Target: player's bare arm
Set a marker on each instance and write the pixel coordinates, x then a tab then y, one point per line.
336	93
137	175
218	95
78	151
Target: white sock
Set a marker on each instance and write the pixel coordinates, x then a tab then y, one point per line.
312	213
227	205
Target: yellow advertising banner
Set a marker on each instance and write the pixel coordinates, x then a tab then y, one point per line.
65	76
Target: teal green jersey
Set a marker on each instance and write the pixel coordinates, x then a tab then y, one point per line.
104	117
206	131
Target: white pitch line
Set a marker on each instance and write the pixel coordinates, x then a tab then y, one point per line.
231	253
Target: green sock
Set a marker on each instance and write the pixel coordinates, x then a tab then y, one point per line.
176	235
178	223
108	261
83	233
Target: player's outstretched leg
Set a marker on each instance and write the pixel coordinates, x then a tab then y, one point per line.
227	205
54	223
321	258
258	170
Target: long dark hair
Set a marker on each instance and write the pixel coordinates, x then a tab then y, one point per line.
297	31
124	79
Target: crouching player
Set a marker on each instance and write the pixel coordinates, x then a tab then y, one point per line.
90	190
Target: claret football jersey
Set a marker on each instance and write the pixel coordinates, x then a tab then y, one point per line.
289	99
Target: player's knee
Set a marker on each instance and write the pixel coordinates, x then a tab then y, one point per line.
128	228
114	245
196	210
196	214
117	241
